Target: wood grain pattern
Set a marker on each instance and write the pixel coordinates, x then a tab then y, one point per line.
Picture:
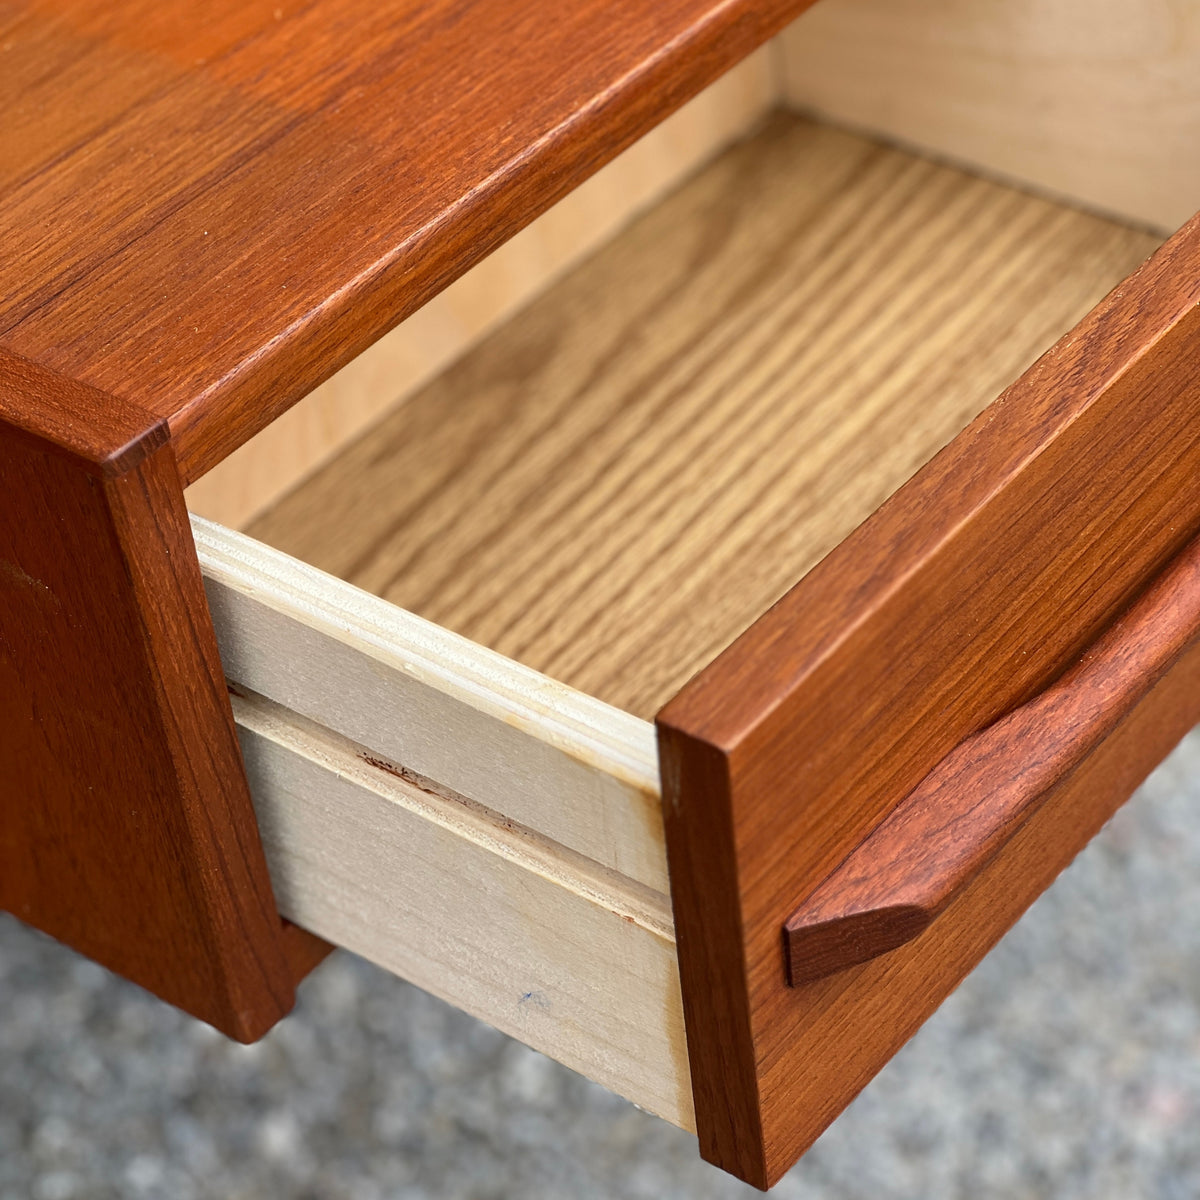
126	829
441	708
426	343
1096	101
488	914
621	480
863	1017
935	843
268	187
974	587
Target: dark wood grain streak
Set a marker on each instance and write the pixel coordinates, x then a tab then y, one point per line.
267	188
939	839
126	828
969	592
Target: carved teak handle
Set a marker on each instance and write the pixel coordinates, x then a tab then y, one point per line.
943	833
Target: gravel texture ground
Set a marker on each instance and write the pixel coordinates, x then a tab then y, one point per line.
1067	1066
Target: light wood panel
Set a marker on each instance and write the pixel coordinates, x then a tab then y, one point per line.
493	918
330	417
441	707
1095	100
615	484
487	833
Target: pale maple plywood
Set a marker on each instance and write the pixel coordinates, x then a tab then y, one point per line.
487	833
1097	101
415	351
440	707
492	918
618	482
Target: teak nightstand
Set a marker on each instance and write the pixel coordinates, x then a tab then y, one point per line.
701	645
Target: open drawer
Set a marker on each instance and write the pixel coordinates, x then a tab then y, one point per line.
679	488
730	668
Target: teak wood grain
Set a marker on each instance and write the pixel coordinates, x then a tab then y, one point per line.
624	477
424	344
208	209
939	838
974	587
126	828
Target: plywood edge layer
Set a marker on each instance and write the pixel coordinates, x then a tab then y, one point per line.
424	345
580	772
497	920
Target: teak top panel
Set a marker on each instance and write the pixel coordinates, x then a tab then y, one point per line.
206	209
620	481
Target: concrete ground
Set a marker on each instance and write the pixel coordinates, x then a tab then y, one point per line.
1067	1066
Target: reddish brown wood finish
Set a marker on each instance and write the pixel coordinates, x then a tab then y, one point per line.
303	950
126	828
965	595
207	209
937	841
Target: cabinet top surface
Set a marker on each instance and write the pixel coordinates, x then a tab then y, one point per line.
207	209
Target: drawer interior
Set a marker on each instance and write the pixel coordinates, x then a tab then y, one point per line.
446	647
615	484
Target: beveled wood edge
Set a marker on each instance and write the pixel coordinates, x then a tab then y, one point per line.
59	415
237	943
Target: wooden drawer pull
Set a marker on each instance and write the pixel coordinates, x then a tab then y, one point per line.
922	857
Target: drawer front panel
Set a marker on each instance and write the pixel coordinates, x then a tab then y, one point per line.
978	584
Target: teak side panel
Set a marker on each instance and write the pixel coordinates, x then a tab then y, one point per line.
276	186
967	593
126	828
